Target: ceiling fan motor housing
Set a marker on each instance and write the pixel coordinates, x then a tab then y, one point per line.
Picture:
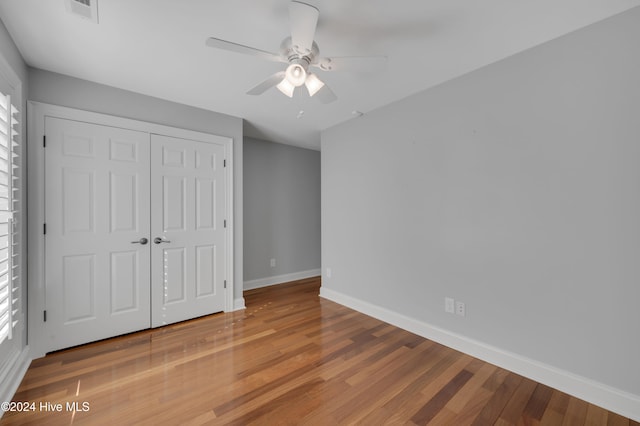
293	57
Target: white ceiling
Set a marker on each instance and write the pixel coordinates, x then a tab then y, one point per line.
157	48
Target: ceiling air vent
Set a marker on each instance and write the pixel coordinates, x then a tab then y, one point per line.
87	9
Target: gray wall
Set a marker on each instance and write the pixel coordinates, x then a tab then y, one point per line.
58	89
12	55
515	189
281	209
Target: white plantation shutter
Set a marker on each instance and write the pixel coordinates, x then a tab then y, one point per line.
9	276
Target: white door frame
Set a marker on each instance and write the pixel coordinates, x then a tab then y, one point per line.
37	112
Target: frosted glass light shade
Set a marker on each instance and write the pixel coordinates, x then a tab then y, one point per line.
313	84
286	87
295	74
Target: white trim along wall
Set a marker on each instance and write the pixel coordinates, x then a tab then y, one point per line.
589	390
280	279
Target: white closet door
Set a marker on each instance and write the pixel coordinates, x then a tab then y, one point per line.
188	229
97	220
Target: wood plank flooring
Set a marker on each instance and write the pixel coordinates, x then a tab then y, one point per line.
289	358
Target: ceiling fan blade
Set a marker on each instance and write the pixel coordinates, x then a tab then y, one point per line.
245	50
267	84
351	63
304	19
325	95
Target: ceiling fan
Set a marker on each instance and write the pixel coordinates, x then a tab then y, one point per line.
301	52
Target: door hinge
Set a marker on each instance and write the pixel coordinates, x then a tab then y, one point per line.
225	283
224	163
225	223
44	229
45	315
44	141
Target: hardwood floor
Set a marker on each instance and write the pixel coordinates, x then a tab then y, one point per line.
289	358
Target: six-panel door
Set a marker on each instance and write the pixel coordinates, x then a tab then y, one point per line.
187	217
97	205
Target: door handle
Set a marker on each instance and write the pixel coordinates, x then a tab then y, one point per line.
159	240
142	241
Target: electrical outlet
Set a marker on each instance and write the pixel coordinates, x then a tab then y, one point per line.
449	306
328	272
460	308
273	263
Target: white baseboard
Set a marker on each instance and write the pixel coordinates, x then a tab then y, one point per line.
279	279
12	377
618	401
238	304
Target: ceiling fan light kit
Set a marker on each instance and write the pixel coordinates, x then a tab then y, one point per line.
300	51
